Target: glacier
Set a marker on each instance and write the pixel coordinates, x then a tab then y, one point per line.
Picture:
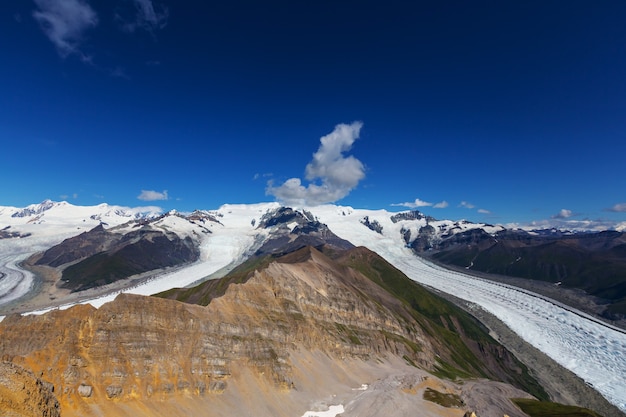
590	349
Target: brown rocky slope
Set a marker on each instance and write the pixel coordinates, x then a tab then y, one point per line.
24	395
272	338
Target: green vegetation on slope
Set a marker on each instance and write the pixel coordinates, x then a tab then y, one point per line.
547	409
444	400
469	345
464	347
202	294
573	261
139	257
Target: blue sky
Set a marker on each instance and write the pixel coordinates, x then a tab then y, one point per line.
487	110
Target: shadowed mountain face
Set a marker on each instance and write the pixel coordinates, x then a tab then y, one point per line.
100	256
593	262
261	321
292	230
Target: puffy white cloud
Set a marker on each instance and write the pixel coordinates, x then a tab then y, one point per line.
149	195
620	208
563	214
64	23
331	174
441	204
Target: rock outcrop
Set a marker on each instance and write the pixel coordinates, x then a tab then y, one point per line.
22	394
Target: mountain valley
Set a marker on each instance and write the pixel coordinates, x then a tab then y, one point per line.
261	308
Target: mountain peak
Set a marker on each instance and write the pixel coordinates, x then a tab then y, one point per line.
35	209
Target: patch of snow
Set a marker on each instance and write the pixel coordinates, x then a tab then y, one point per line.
332	411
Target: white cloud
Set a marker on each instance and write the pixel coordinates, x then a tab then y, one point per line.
565	224
147	17
467	205
415	204
64	22
338	174
441	204
483	211
265	175
148	195
620	208
563	214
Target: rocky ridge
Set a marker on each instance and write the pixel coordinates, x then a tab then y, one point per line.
140	349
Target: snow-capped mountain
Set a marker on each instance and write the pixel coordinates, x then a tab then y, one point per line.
224	237
229	235
63	218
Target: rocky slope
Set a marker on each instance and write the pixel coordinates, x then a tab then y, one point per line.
268	334
24	395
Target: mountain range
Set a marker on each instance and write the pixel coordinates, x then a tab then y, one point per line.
254	303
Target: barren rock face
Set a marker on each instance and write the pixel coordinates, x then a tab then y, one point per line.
24	395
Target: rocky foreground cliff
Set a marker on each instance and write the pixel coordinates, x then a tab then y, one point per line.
279	336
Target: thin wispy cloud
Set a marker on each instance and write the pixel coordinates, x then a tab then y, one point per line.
65	22
466	205
563	214
483	211
441	205
146	17
332	175
571	224
265	175
618	208
149	195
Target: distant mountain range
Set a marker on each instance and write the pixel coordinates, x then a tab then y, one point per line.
120	242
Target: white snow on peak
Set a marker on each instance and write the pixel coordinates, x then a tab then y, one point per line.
65	218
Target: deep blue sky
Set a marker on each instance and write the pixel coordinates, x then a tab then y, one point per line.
518	110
